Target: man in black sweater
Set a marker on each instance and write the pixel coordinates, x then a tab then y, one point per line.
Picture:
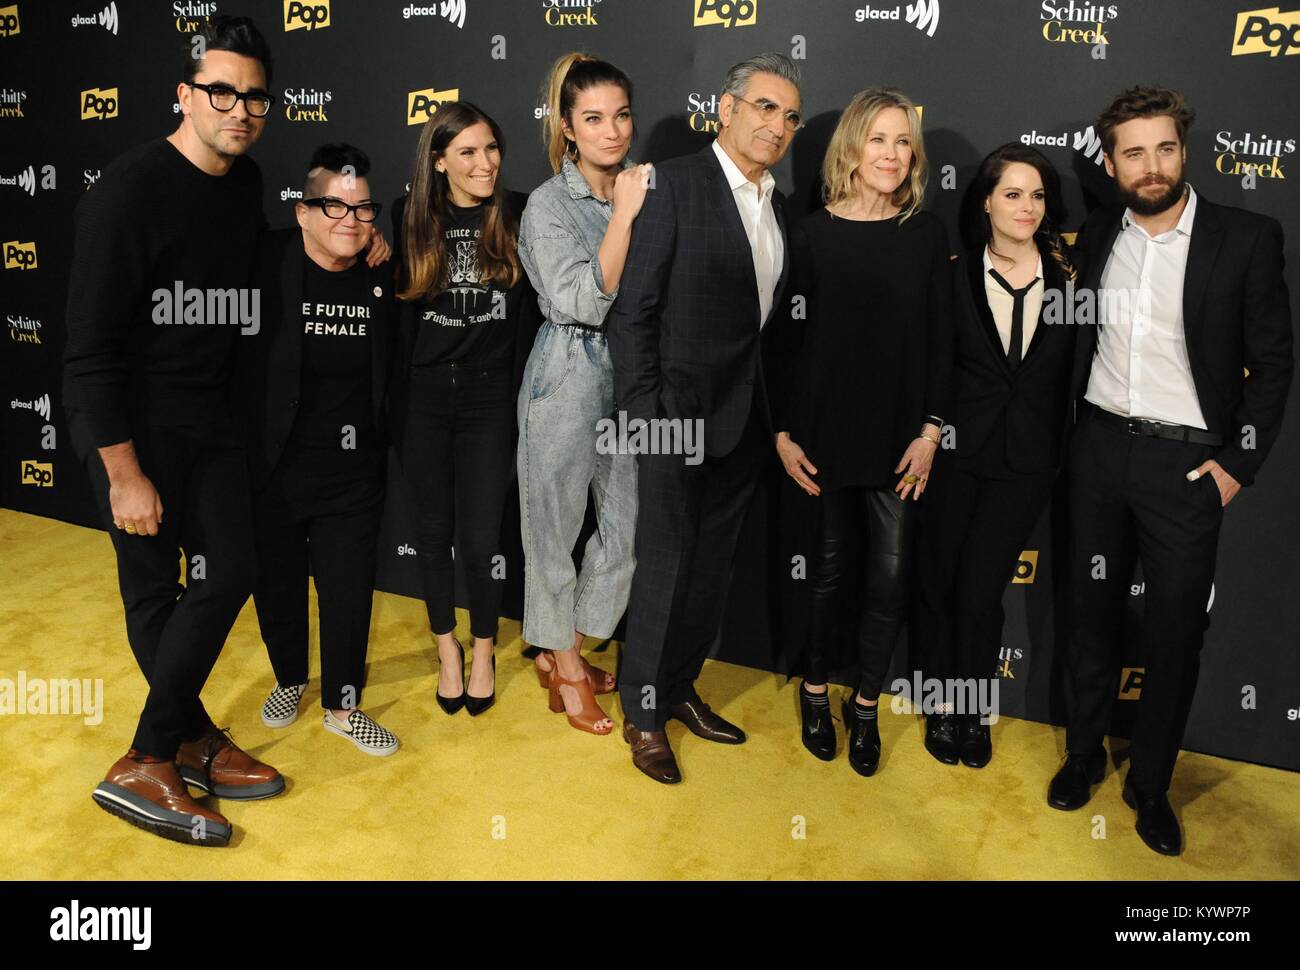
1180	394
159	293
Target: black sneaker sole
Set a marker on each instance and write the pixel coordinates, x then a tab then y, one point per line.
169	825
240	793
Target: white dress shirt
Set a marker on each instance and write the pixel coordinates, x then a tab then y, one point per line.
756	214
1001	304
1141	369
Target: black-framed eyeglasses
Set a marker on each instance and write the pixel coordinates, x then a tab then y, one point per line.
223	98
767	110
338	209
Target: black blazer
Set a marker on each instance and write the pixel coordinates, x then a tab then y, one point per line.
1237	319
270	363
1032	401
684	331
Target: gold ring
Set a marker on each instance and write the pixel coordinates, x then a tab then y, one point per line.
911	479
130	530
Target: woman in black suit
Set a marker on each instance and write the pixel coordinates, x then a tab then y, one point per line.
1009	405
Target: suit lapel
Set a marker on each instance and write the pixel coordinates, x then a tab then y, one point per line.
723	202
1053	279
980	302
1203	249
778	207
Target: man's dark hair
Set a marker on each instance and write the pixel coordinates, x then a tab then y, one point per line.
239	35
1140	102
333	158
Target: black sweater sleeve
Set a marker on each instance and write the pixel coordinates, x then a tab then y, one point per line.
105	290
789	330
939	329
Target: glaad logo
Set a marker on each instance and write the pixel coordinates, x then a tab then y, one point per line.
923	14
106	18
97	105
211	307
570	13
1085	142
306	104
1271	150
191	13
123	923
311	16
9	21
24	181
1267	31
20	255
41	406
452	10
11	103
421	105
38	473
729	13
1057	15
24	330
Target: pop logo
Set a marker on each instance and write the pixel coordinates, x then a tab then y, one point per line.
421	105
298	15
1026	567
729	13
98	105
20	255
38	473
1267	31
9	21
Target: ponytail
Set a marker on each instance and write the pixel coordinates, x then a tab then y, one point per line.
572	73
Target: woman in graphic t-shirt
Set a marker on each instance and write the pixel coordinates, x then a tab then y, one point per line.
465	299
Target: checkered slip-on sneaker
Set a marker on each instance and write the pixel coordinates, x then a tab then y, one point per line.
281	707
363	732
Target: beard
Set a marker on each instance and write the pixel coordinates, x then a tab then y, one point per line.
1145	205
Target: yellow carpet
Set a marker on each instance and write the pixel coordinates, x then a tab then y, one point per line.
517	794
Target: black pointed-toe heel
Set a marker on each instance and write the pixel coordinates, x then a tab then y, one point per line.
477	705
864	740
818	726
450	705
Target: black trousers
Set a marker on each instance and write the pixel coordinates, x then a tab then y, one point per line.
886	525
305	518
458	460
688	523
1129	496
974	523
177	631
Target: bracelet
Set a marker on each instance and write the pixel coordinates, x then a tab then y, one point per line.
926	437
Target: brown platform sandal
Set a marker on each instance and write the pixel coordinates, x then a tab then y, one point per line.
591	712
601	682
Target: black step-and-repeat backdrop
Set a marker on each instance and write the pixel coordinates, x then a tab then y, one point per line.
82	81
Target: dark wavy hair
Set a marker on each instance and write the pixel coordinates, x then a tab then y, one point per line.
1140	102
239	35
977	229
427	209
568	77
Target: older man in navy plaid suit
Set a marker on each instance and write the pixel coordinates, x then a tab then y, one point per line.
707	265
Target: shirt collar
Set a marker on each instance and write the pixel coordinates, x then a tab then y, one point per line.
577	183
736	178
988	264
1184	221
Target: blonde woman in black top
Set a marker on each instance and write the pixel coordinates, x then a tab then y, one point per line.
862	417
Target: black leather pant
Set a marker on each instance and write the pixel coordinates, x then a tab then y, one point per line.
886	525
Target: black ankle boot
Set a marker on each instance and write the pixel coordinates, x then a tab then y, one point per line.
864	739
975	741
941	737
818	726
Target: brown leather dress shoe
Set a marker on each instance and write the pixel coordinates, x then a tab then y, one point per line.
217	765
704	723
151	795
652	754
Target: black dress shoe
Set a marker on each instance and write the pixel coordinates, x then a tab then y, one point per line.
1156	822
976	743
1071	788
450	705
477	705
652	754
702	722
818	726
864	740
941	737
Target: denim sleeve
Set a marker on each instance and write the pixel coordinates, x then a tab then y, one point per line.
563	267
